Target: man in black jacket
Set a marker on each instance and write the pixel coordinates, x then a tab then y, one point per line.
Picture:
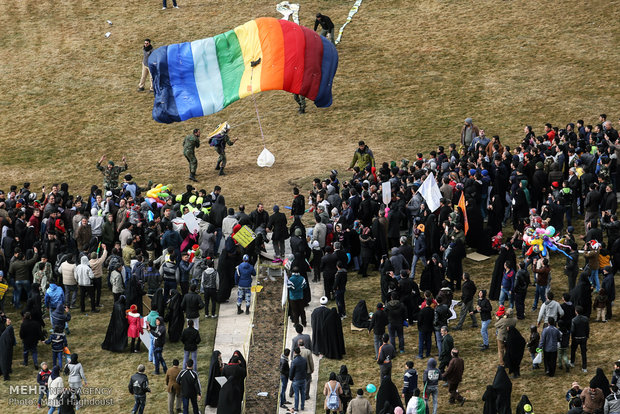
190	387
297	375
159	333
387	353
284	372
396	313
378	323
298	207
580	332
138	387
442	313
191	305
30	334
328	269
340	285
425	329
522	281
326	25
468	291
190	338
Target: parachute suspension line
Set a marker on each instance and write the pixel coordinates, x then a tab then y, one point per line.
253	64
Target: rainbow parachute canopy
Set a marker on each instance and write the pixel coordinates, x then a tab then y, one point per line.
202	77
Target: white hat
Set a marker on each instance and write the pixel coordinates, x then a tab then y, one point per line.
316	245
324	300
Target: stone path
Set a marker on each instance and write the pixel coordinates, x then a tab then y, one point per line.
234	332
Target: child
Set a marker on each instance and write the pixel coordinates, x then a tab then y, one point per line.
150	320
600	304
533	344
42	377
58	340
416	404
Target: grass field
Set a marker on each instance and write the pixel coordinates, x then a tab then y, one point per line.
409	73
107	373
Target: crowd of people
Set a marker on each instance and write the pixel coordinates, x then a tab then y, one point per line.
57	246
541	187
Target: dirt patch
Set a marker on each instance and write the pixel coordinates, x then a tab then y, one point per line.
265	348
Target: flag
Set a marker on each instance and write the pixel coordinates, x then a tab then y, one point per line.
430	191
461	204
386	192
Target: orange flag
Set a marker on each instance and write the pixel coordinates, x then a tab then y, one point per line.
461	204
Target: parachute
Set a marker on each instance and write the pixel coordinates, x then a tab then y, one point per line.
202	77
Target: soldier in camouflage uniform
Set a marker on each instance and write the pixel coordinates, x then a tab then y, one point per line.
219	142
111	173
301	101
189	144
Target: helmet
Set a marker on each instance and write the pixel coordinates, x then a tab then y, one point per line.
246	258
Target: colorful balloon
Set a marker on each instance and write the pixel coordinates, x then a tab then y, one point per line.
202	77
371	388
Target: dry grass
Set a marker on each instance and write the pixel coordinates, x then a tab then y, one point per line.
106	371
409	74
546	394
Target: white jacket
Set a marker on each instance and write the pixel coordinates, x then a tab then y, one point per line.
83	273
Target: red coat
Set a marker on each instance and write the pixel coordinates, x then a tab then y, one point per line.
135	325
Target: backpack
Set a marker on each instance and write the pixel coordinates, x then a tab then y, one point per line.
333	402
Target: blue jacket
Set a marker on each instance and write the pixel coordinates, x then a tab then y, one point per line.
410	381
508	280
298	368
296	284
550	338
54	296
171	239
184	269
243	275
59	318
419	247
58	341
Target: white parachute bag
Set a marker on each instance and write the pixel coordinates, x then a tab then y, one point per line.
265	159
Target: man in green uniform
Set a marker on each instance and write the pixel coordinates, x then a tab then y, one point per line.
219	142
301	101
111	173
189	144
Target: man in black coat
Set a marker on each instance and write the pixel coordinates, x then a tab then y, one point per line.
580	332
378	323
190	338
317	321
397	313
298	207
259	218
468	291
329	269
278	226
190	387
191	305
30	334
425	329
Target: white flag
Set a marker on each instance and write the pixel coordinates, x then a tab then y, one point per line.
386	192
430	191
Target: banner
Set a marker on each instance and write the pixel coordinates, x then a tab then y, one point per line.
386	192
287	9
191	223
245	236
352	13
461	204
430	191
